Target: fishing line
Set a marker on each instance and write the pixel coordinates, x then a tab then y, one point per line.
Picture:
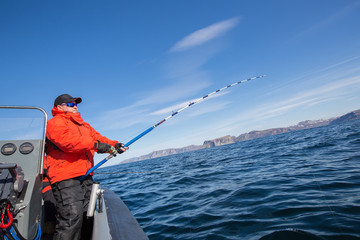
143	172
327	204
114	152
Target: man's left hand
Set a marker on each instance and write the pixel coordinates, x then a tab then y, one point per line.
120	148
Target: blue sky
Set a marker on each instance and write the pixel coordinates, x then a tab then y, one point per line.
134	62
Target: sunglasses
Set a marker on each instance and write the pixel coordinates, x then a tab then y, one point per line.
70	104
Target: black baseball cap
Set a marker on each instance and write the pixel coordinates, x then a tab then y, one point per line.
66	98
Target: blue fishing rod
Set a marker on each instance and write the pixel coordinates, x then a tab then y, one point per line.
113	151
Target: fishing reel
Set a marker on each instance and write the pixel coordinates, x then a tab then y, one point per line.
113	151
11	182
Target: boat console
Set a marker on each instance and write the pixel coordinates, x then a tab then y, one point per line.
21	159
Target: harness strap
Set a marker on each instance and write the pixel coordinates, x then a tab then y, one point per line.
52	145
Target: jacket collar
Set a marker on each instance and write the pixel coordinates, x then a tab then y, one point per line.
75	117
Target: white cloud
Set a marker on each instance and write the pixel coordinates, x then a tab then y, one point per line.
142	110
211	108
184	87
329	92
178	106
172	108
339	14
320	94
205	34
120	118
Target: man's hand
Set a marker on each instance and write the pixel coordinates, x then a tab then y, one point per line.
120	148
103	147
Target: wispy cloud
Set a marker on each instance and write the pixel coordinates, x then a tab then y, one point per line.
183	104
329	92
341	13
338	70
184	87
172	108
205	34
208	108
320	94
120	118
142	111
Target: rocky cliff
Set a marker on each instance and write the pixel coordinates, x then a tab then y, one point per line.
219	141
274	131
347	117
169	151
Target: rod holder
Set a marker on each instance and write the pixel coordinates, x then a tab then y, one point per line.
94	194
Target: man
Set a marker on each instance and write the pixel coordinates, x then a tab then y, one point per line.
71	144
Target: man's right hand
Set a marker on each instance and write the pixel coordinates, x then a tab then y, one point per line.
103	147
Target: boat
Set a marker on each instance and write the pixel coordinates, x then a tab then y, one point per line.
22	143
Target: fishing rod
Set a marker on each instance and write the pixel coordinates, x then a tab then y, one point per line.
113	151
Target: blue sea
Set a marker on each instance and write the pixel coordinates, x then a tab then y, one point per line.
306	180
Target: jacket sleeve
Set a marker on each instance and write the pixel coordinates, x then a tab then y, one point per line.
67	138
101	138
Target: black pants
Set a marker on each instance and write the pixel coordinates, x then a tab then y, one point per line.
49	204
72	199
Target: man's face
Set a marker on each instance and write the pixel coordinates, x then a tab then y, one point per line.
68	107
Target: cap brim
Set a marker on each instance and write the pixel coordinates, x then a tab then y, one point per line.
78	100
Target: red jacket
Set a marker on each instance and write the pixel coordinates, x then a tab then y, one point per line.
70	147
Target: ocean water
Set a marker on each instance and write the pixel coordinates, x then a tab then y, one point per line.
307	180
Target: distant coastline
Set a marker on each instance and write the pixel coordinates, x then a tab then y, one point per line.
248	136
